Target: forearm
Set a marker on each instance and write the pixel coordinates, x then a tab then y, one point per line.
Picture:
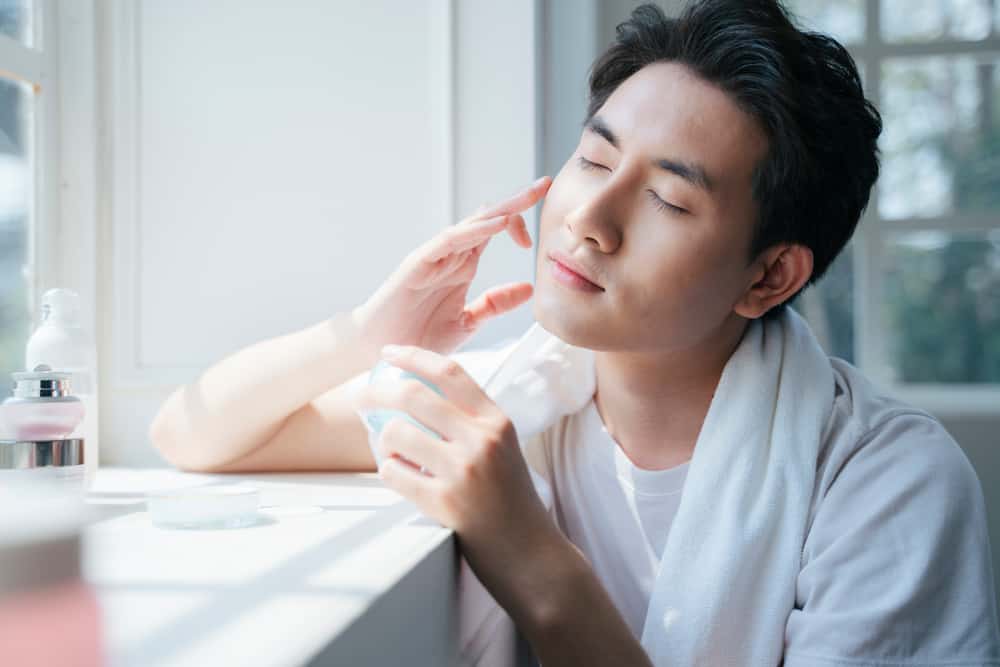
580	624
241	401
560	605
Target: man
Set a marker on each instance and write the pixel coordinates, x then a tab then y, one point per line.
724	163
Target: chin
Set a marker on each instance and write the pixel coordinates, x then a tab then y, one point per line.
582	329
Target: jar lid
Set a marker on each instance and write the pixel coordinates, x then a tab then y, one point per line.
21	454
42	382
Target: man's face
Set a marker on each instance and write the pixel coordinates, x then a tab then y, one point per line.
661	221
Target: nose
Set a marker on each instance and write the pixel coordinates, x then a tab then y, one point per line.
595	221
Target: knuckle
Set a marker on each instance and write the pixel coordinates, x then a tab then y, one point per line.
449	501
502	426
451	369
409	390
467	471
490	444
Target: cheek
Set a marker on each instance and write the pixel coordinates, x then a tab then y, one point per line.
677	273
548	217
557	201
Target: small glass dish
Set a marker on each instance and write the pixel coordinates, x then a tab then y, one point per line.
212	506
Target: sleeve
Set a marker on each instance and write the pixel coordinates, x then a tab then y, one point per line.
480	364
896	567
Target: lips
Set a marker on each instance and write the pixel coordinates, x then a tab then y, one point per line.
571	266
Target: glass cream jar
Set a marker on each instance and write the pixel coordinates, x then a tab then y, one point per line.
34	425
42	407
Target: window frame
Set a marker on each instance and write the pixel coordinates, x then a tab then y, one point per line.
64	235
35	66
870	240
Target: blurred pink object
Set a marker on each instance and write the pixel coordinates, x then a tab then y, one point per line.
49	616
55	625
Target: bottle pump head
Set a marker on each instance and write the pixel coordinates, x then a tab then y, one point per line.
61	305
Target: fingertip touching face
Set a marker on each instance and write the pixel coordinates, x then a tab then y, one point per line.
655	207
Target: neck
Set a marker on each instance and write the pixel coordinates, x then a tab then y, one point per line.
653	403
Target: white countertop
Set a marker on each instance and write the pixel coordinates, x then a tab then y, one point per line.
338	568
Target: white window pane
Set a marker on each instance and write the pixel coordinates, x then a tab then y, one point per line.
942	306
15	20
941	142
844	19
16	106
928	20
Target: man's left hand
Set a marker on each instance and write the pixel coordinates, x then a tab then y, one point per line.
477	481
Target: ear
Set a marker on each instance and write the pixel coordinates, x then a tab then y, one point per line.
778	273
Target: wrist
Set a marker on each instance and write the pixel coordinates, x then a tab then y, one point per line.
561	573
543	583
346	348
367	341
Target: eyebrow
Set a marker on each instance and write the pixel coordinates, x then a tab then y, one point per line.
692	172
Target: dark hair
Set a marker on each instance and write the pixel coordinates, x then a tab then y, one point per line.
804	90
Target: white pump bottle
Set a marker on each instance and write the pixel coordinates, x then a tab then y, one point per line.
61	343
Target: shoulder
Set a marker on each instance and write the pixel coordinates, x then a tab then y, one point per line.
881	454
869	428
896	565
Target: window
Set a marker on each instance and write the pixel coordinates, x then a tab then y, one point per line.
22	67
915	298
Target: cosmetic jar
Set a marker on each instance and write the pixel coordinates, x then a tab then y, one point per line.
42	407
375	420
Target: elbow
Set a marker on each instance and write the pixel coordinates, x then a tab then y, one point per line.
164	440
173	445
159	433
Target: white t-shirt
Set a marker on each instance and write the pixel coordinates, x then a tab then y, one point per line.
896	566
616	513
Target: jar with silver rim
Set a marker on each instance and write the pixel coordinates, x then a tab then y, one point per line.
34	423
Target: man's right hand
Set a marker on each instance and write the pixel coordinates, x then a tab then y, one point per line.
424	302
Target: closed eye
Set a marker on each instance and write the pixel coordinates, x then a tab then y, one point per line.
660	204
587	164
664	205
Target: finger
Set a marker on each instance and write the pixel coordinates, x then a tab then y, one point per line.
459	238
420	402
408	481
467	236
442	371
523	200
518	230
401	438
496	301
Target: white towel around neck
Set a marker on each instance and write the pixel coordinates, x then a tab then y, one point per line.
726	582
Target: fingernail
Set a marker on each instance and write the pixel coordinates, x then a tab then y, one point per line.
538	182
391	351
